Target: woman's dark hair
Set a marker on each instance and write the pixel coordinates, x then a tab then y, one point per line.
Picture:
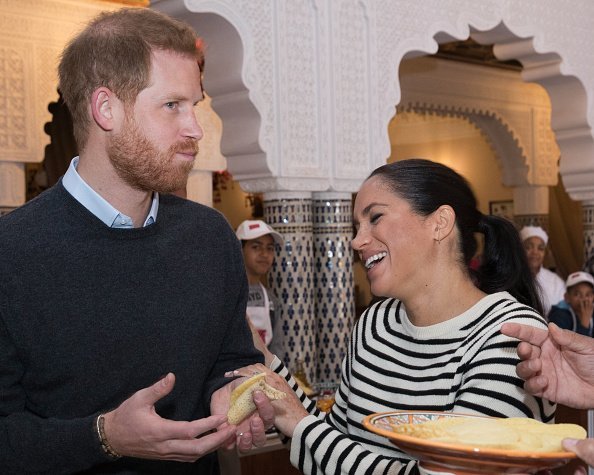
426	186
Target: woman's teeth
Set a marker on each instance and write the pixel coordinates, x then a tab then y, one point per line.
371	261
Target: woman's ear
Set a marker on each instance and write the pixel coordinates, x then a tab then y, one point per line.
102	103
445	220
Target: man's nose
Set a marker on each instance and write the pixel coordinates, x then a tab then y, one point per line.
193	128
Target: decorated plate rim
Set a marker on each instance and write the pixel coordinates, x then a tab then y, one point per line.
369	422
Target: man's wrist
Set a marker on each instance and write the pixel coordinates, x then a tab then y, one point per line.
100	431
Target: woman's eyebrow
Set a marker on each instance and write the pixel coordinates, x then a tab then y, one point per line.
367	208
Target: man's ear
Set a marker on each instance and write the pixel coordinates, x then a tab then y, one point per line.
102	107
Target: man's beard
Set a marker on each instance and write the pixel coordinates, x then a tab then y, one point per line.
141	165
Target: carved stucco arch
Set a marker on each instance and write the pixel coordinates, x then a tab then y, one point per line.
240	96
300	62
505	142
542	64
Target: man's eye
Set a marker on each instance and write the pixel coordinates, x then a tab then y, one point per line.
171	105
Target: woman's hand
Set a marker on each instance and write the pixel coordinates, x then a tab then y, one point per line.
250	432
289	411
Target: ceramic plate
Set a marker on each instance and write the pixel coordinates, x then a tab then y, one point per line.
455	458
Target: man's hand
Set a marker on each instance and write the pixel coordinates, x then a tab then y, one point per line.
557	365
135	429
287	412
252	431
584	449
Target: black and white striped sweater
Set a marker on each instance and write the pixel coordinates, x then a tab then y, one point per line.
461	365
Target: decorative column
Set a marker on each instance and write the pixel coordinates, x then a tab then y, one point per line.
291	276
588	220
333	280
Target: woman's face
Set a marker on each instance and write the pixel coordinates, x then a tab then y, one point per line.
393	243
535	252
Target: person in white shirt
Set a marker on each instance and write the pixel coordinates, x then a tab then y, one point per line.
258	241
552	287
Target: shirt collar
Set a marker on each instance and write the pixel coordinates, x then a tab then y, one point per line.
97	205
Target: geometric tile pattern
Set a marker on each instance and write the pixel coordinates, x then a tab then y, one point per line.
291	279
333	281
588	221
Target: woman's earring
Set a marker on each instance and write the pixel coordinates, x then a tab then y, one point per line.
438	231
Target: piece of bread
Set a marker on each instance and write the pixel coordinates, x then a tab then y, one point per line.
242	403
306	388
514	433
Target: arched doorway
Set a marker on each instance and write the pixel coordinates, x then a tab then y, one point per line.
321	83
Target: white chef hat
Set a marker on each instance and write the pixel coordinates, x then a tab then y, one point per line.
534	231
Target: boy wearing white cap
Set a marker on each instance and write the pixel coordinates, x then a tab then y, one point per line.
578	313
258	241
552	287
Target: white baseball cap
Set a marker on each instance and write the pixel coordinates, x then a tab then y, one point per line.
578	278
252	229
534	231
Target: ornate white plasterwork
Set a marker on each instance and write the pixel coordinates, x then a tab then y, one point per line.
32	35
550	38
514	116
306	88
323	77
240	42
289	68
12	175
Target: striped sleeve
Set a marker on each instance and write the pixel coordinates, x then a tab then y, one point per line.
464	365
310	406
490	385
323	446
318	448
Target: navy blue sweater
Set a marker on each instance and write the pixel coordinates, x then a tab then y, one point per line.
90	314
564	317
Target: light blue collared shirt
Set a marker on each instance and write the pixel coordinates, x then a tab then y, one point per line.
97	205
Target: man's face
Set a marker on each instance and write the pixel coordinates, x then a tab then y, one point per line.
155	147
258	255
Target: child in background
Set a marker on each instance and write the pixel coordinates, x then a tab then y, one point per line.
576	313
258	241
